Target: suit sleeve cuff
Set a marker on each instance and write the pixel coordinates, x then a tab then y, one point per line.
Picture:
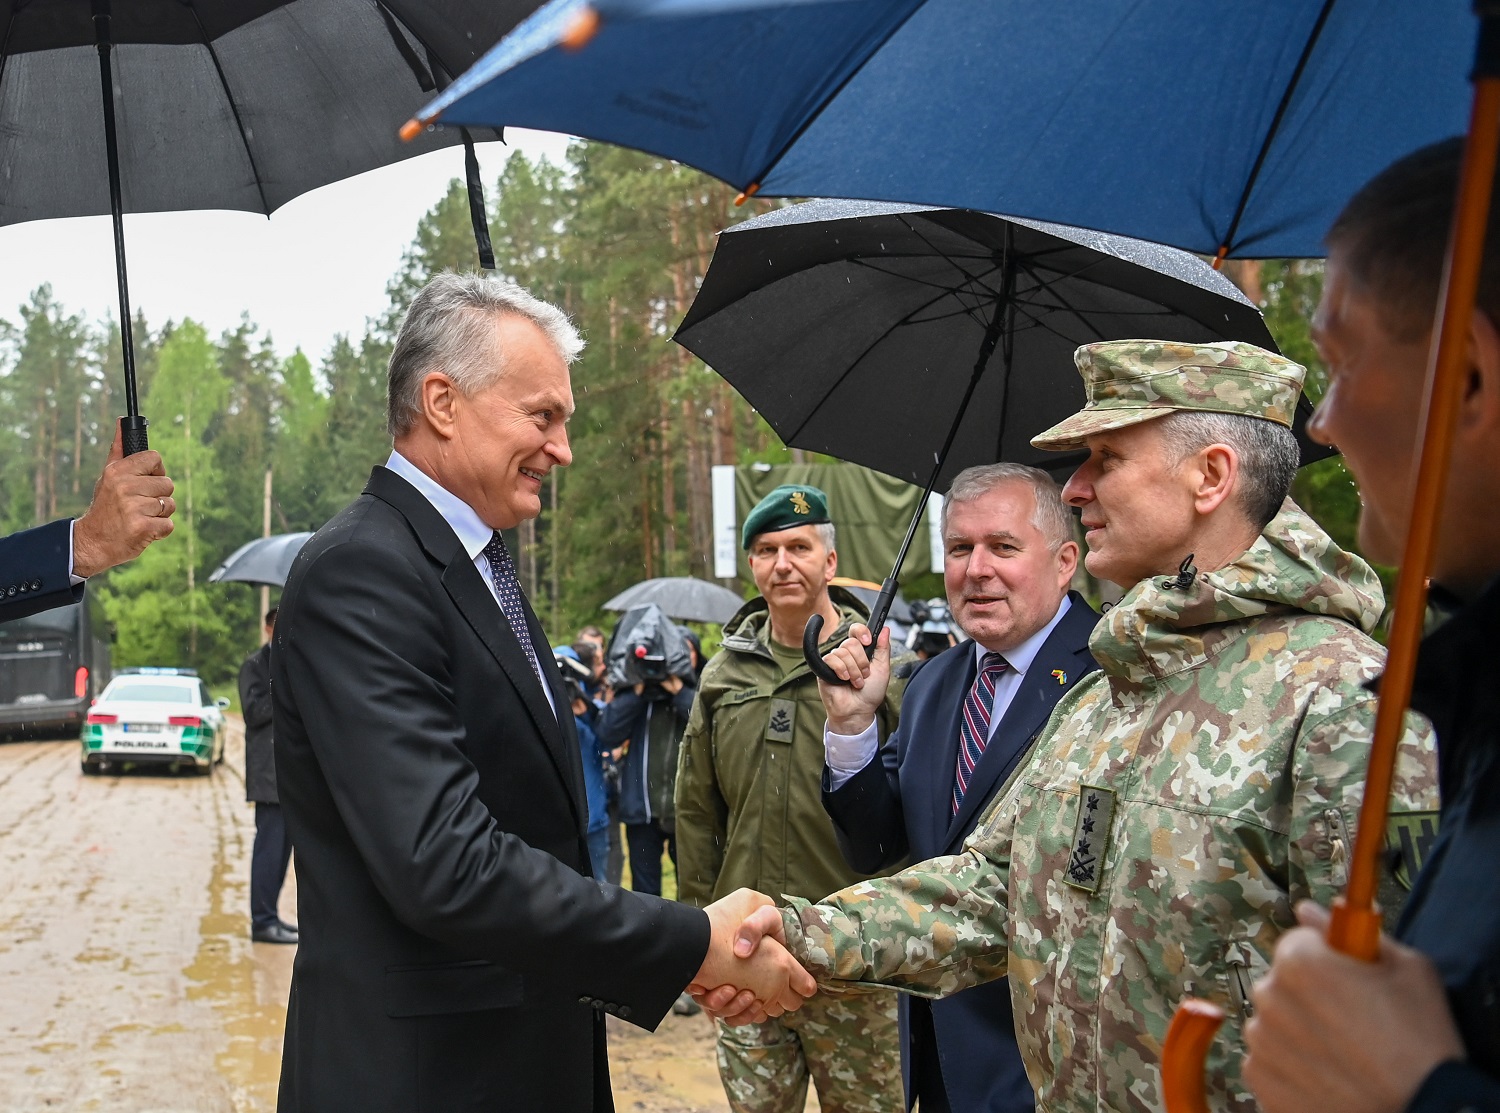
1455	1087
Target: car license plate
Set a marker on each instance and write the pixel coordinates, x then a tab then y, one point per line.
143	728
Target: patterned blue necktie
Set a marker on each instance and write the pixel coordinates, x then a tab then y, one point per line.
508	590
974	727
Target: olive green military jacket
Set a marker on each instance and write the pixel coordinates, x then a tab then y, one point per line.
1177	804
749	774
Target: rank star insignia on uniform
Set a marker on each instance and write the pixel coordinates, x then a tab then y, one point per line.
1096	808
781	721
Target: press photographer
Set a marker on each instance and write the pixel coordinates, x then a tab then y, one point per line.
650	669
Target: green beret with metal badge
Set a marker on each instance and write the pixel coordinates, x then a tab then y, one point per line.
1130	381
791	504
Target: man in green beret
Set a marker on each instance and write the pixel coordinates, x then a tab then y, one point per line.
1184	797
750	811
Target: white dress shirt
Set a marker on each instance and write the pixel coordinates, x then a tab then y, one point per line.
847	754
473	534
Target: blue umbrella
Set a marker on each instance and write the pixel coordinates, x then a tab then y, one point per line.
1226	129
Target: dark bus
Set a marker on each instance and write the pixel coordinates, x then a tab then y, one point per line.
52	665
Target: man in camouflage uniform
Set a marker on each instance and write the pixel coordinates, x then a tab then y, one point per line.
750	812
1185	796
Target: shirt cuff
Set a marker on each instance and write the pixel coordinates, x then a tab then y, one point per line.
73	581
847	754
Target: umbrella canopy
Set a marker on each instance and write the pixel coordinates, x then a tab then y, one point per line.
222	104
266	561
1219	128
226	104
857	328
686	598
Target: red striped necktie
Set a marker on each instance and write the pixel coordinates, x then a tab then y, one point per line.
974	727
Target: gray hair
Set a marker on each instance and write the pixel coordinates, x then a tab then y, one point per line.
450	327
824	530
1051	515
1267	452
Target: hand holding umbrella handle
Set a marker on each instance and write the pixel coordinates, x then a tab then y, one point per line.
133	434
812	633
1355	925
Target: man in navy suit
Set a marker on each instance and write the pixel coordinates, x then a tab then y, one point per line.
1009	557
46	567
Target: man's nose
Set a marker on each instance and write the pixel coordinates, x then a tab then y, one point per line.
1318	425
980	564
1079	488
559	449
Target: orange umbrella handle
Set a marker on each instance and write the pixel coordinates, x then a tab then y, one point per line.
1355	927
1184	1053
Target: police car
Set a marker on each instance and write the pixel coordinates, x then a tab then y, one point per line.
154	717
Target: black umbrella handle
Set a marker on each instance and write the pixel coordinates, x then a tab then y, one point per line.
812	633
133	434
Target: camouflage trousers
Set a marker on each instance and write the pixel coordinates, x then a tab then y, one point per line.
847	1044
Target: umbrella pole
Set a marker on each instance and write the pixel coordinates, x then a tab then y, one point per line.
812	632
132	425
1355	926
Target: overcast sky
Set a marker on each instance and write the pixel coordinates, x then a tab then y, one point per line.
317	267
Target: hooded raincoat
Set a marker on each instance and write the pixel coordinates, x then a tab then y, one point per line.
1179	802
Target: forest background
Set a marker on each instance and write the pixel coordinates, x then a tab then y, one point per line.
619	239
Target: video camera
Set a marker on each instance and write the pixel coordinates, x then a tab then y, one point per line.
646	648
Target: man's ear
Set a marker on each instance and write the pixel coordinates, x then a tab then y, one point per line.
1067	561
1217	468
1481	404
440	402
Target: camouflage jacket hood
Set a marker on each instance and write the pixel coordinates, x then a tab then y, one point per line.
1159	628
1177	805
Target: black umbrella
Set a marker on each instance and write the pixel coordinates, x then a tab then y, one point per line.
266	561
878	332
683	597
222	104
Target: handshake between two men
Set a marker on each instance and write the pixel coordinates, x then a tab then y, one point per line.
745	977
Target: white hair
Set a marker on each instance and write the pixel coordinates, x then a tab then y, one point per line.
450	327
1051	516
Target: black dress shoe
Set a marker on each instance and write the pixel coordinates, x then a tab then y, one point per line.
274	933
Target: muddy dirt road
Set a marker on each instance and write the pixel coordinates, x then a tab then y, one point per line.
128	981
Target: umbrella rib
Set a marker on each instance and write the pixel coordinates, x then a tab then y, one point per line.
854	363
10	26
932	284
1281	109
812	117
1065	306
234	108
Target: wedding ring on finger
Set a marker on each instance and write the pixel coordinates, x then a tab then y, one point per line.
161	507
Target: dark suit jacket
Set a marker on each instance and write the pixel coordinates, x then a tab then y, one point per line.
901	806
34	570
454	955
255	705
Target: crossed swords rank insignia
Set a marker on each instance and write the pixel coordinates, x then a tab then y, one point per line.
1096	810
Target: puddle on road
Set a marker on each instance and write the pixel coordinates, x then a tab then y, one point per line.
225	975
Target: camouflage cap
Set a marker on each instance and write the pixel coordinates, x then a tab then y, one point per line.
1130	381
791	504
